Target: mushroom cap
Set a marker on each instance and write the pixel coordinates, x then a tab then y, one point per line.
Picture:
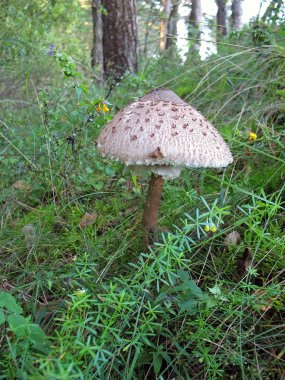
160	129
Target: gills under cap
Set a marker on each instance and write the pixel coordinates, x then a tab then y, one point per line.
161	130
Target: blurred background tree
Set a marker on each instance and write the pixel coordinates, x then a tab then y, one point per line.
236	16
115	36
195	19
221	19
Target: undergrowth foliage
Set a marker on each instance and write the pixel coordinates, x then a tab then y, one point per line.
80	298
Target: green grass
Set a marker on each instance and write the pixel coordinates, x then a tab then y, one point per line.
188	308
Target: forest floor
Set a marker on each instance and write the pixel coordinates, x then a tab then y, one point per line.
81	298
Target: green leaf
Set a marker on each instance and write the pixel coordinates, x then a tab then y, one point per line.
8	302
210	301
37	335
190	306
157	362
100	121
109	171
84	104
84	88
18	324
2	317
183	275
162	295
190	288
78	91
215	290
98	185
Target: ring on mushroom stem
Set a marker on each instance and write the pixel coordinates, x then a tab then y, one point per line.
161	133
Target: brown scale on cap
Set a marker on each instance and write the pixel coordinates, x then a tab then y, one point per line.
157	153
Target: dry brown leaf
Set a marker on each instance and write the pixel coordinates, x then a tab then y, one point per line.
29	231
22	185
244	262
87	220
232	238
263	304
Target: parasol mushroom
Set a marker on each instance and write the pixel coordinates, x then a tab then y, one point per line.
162	134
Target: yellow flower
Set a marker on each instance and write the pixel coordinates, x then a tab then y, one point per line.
252	136
207	228
105	108
213	228
102	107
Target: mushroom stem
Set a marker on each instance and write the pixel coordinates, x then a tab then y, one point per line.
151	208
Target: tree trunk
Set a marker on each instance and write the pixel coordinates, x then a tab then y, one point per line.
163	24
236	17
195	23
119	37
221	19
97	50
172	25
